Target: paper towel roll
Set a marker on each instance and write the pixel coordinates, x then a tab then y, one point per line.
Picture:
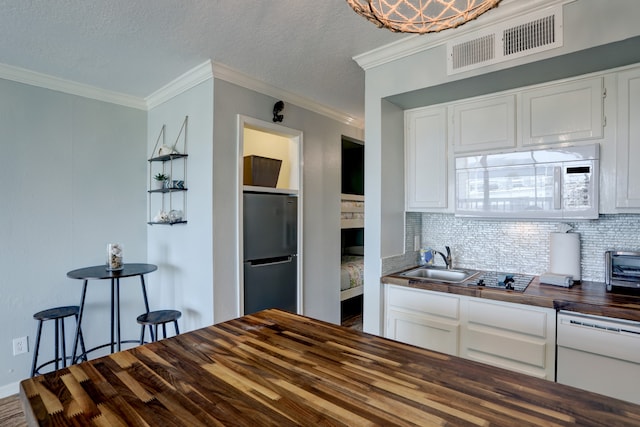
564	254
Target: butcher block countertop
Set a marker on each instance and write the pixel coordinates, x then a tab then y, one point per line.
274	368
585	297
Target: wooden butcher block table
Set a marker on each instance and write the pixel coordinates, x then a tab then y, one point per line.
280	369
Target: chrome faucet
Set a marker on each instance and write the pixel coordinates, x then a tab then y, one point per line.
447	258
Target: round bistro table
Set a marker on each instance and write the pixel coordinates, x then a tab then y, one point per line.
100	272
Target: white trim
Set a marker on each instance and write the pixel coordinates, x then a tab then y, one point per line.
186	81
507	10
9	390
230	75
22	75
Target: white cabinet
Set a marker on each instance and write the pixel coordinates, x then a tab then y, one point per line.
563	112
511	336
484	124
628	140
426	160
422	318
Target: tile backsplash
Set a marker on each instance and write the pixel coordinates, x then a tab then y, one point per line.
514	246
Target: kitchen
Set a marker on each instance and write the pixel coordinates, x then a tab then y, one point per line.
424	216
391	243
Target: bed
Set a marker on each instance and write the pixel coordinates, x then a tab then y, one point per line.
352	262
352	211
351	276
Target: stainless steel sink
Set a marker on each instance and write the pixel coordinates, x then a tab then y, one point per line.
440	274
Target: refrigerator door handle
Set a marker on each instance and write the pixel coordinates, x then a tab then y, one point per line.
270	261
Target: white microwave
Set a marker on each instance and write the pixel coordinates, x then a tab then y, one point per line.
558	183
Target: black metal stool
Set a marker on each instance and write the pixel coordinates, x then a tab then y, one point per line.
58	314
158	317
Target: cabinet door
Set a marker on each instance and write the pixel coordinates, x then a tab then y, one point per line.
628	141
425	319
426	181
563	112
517	337
485	124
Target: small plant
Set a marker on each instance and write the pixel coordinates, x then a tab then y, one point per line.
161	177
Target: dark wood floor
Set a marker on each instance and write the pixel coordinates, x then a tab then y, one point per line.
351	313
11	414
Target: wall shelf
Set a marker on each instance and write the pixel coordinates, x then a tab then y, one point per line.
163	209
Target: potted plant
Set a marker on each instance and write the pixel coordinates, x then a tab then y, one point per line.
160	181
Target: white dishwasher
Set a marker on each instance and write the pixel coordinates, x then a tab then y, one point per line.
599	354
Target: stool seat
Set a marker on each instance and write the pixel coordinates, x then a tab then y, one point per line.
58	315
158	317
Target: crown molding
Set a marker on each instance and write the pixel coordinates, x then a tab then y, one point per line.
507	9
186	81
32	78
230	75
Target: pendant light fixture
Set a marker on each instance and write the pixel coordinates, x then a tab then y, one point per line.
420	16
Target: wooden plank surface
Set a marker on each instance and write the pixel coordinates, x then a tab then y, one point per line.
274	368
585	297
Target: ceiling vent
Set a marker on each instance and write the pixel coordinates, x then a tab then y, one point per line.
507	40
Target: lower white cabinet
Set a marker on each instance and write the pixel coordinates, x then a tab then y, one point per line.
423	318
512	336
517	337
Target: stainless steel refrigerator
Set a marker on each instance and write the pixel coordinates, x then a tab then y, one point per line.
270	237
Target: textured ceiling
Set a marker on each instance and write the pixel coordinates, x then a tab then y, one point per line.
137	46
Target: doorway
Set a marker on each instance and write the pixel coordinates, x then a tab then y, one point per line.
277	148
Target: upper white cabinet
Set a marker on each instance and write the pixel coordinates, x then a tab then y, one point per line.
628	140
569	112
426	160
563	112
485	124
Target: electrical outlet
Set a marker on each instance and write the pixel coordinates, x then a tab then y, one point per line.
416	243
20	345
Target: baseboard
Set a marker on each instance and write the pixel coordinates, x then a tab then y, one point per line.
9	390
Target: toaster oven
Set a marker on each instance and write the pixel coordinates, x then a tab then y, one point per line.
622	268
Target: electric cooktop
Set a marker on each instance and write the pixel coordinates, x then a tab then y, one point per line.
507	281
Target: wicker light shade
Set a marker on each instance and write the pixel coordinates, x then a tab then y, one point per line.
420	16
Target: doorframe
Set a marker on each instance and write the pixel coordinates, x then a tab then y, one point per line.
296	137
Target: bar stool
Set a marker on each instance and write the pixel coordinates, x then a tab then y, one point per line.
155	318
57	314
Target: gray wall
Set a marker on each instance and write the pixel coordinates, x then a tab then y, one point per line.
74	174
321	186
183	252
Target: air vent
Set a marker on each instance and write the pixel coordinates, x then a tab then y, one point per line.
507	40
474	51
528	36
